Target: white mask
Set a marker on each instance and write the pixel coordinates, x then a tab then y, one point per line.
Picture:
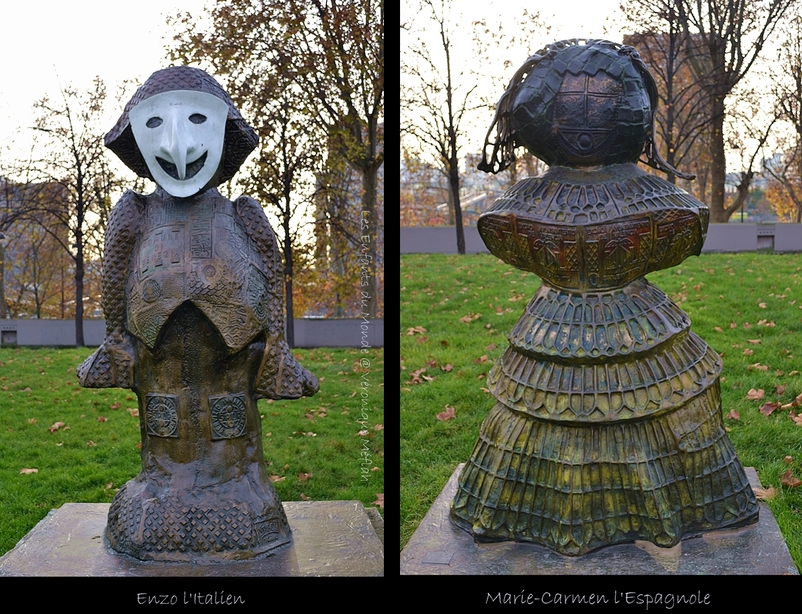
180	134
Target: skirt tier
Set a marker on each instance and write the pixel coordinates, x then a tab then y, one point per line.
587	448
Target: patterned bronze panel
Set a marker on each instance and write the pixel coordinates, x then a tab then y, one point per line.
167	529
598	256
228	416
161	415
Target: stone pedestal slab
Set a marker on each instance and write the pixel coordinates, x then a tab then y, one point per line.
440	548
329	538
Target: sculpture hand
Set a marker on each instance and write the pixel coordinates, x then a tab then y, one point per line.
110	366
282	376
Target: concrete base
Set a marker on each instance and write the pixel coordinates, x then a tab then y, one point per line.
439	548
330	538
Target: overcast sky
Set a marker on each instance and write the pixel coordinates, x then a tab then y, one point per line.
46	44
565	18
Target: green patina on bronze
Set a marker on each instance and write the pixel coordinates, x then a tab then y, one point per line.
608	423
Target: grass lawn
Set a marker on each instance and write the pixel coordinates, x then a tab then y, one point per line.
84	443
456	312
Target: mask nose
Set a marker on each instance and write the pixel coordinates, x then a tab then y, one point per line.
177	144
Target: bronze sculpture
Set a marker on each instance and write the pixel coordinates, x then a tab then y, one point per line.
193	300
607	426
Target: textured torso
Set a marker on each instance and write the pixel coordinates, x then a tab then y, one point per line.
598	343
594	230
196	250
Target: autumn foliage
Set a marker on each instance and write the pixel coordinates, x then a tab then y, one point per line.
328	56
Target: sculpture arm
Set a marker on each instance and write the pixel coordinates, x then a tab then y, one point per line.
258	229
111	365
280	374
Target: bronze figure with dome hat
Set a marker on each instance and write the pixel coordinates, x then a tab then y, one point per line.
194	307
607	426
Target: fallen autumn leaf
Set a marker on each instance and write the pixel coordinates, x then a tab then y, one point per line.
767	408
755	395
765	494
448	414
789	480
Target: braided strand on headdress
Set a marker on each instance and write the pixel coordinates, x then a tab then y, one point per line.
505	143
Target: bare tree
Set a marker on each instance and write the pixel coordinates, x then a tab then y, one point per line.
785	168
74	175
286	154
682	118
750	128
436	96
501	47
33	276
784	173
732	34
333	51
10	211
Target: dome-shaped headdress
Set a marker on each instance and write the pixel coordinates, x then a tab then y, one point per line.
240	138
578	104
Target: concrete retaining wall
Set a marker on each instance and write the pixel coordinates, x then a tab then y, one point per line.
312	332
309	333
50	332
440	240
733	237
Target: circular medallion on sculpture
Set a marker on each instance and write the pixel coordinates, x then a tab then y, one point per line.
607	426
162	415
228	416
151	290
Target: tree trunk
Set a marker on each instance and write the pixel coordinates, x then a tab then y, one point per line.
718	165
369	236
449	204
742	193
79	298
701	183
79	290
453	184
289	326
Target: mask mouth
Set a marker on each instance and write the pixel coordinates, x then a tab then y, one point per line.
193	168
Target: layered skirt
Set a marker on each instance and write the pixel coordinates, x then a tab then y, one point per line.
607	429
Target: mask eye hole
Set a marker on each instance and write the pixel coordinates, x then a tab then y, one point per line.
197	118
154	122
